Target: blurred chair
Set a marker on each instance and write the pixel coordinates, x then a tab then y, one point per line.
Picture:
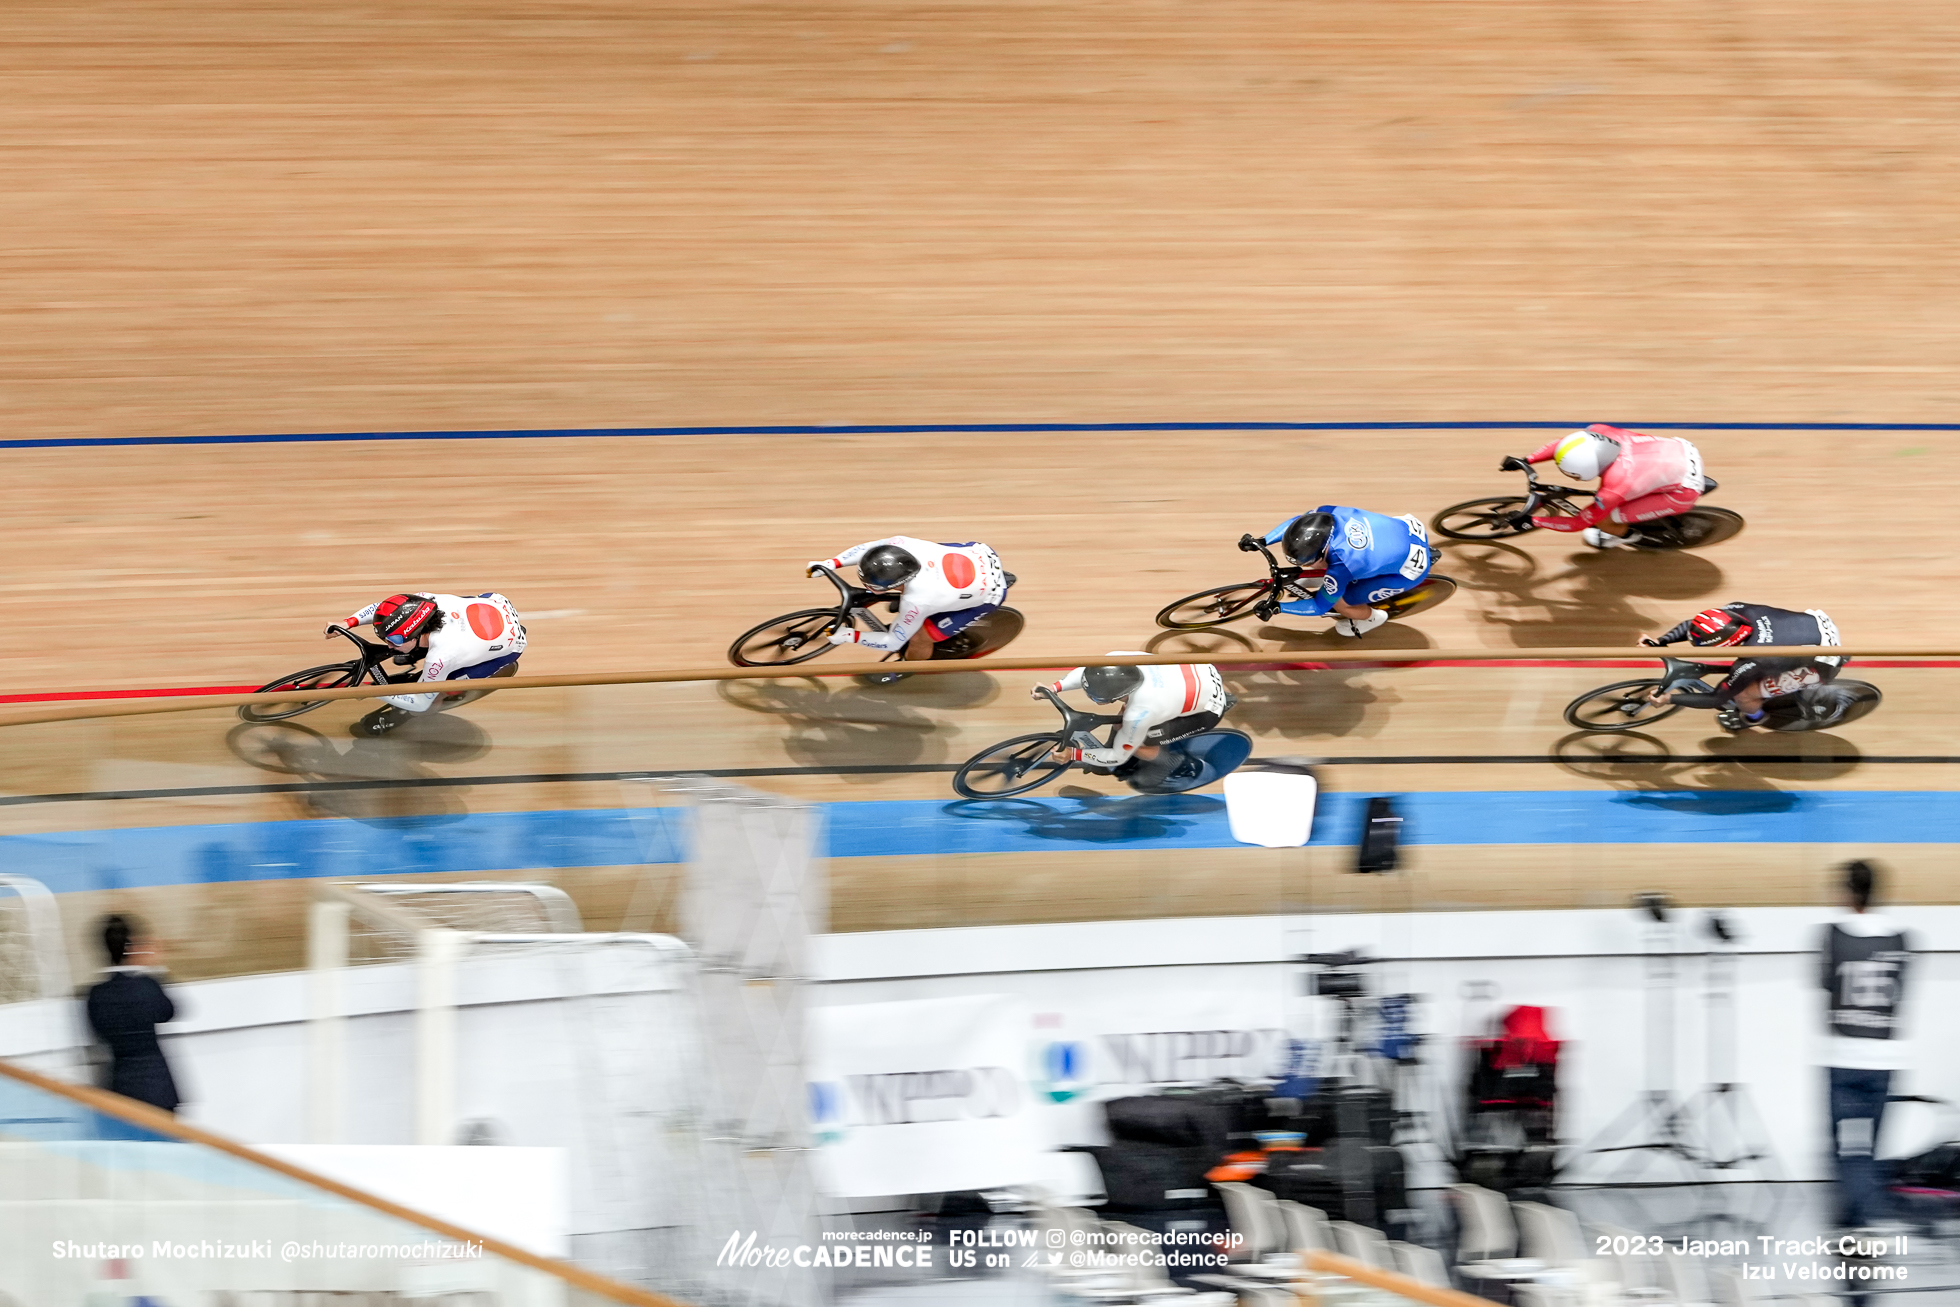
1255	1215
1483	1222
1640	1274
1550	1234
1365	1245
1306	1227
1424	1265
1684	1280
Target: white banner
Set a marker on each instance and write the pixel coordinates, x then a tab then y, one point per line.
923	1096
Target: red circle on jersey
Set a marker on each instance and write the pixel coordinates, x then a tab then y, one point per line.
486	621
959	570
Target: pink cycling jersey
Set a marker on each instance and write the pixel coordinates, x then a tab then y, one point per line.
1654	476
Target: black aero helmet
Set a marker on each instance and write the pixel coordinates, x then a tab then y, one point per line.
886	567
1108	684
1306	538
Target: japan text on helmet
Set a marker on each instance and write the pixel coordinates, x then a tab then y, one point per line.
1583	455
1108	684
400	619
887	567
1718	626
1307	536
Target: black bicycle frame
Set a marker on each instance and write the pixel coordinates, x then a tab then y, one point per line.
1075	724
1539	493
854	604
1286	577
372	656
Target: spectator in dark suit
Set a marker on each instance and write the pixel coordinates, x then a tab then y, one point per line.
125	1010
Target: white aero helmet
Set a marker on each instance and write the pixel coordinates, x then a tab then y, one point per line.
1583	455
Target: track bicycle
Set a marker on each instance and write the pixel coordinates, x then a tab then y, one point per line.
369	666
1028	762
1629	705
805	634
1284	582
1503	516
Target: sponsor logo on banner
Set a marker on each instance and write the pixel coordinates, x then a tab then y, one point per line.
912	1098
1158	1057
826	1113
1061	1071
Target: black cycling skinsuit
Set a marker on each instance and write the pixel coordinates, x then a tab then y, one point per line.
1768	626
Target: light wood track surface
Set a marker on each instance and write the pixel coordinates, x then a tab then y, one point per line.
226	218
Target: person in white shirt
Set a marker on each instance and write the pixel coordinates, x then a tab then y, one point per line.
459	638
1161	705
1864	959
943	590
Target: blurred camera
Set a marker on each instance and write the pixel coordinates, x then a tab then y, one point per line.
1337	977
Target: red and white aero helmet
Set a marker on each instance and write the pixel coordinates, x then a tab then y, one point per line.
1718	626
399	619
1583	455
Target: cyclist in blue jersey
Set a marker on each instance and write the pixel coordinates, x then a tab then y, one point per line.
1361	559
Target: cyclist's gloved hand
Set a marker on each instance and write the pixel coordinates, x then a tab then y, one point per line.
1512	463
848	635
1651	642
1035	692
812	568
1248	544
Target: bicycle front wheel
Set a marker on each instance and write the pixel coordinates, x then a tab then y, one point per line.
1481	519
1026	762
1622	706
1209	608
785	641
334	676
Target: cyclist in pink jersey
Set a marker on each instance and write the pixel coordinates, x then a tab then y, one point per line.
1641	478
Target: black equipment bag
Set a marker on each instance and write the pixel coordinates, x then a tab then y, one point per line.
1349	1179
1362	1113
1155	1119
1147	1177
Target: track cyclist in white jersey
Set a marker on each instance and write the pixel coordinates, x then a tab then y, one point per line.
943	590
459	638
1161	705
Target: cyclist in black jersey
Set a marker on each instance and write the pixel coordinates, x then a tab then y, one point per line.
1748	695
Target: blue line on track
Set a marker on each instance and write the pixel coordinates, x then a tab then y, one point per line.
943	428
68	861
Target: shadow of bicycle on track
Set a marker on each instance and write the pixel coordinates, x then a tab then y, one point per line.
1295	704
1731	765
1095	818
380	776
831	724
1588	602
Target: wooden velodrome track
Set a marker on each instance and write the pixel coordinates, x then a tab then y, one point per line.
226	218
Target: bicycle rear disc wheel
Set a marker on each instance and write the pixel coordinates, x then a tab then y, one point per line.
1699	527
1622	706
1835	704
1427	593
1215	607
982	636
785	641
1481	519
1026	762
333	676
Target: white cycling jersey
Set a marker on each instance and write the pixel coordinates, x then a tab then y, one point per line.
951	578
482	628
1167	693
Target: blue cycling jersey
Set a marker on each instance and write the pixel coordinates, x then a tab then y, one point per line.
1370	557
